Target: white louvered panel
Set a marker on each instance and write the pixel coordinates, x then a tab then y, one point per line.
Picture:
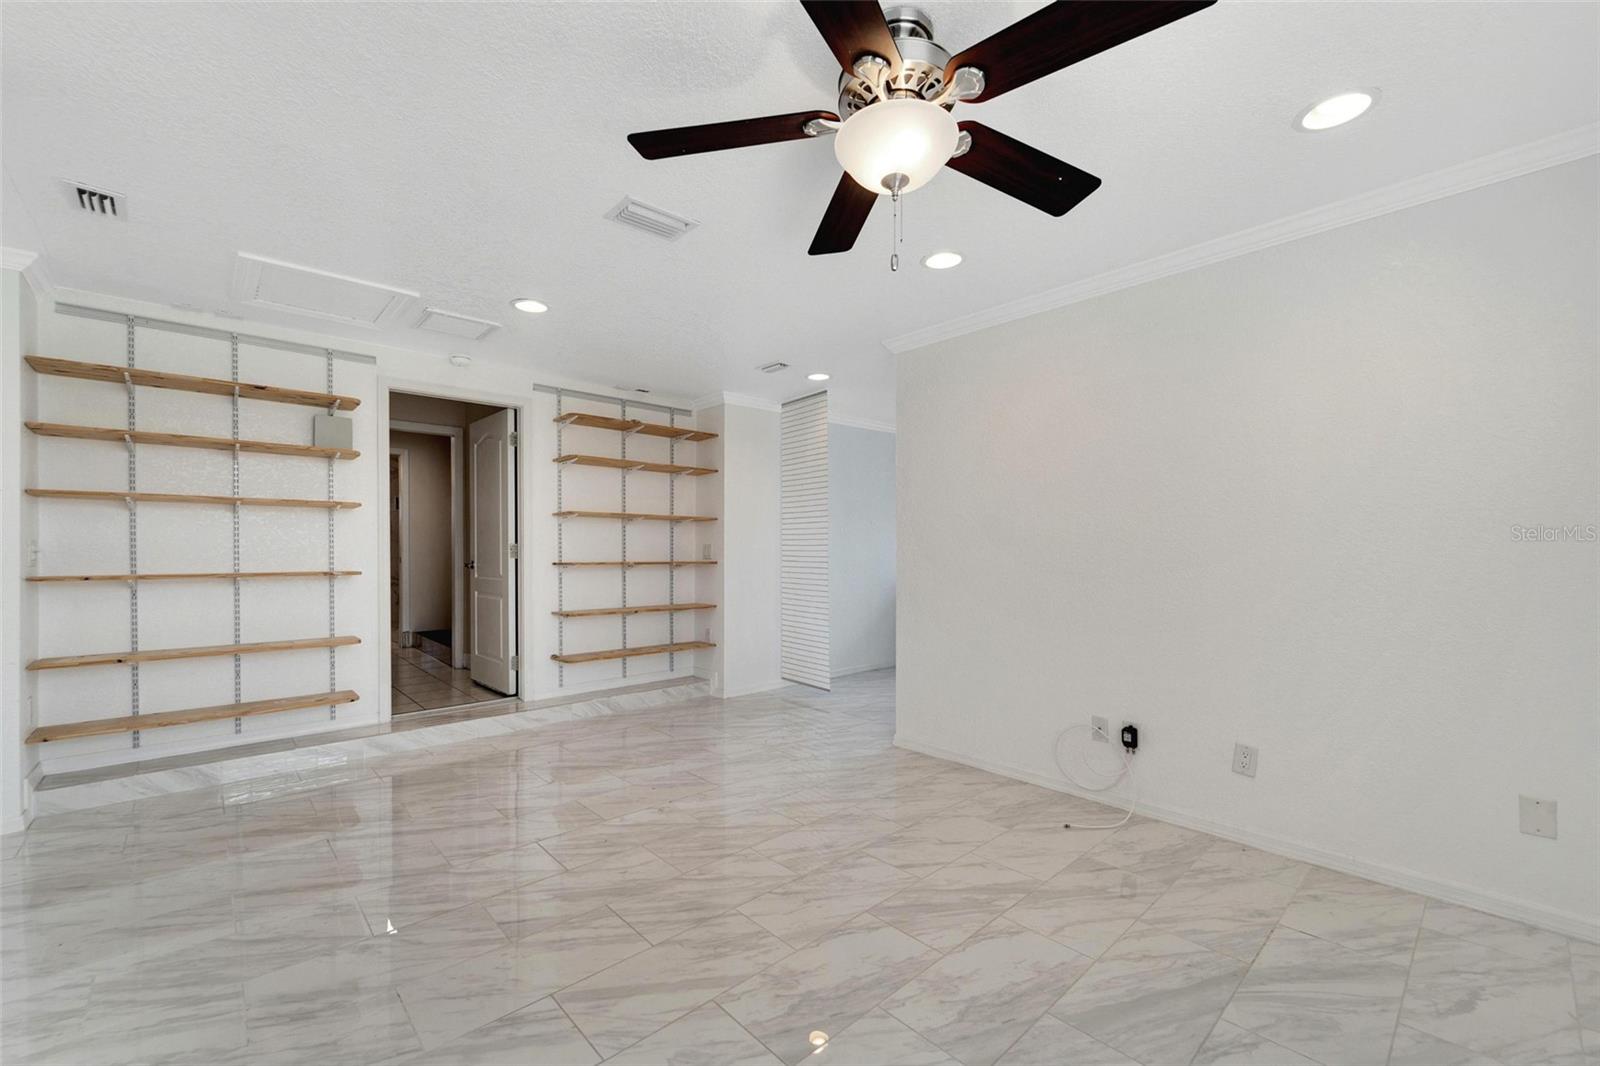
805	621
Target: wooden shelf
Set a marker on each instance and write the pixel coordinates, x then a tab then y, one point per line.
103	726
654	608
631	425
645	562
629	653
157	379
183	497
635	516
113	658
183	440
633	464
194	576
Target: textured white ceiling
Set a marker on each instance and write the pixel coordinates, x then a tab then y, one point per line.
469	151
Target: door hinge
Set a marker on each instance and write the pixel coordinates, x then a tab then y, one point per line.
516	662
516	440
514	551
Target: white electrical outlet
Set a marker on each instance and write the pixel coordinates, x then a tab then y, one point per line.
1244	760
705	551
1100	728
1538	816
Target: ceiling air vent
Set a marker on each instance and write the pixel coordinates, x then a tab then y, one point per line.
652	220
773	368
448	322
96	201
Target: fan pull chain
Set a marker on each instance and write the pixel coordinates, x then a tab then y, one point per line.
897	232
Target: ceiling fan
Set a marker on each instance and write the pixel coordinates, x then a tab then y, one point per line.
898	88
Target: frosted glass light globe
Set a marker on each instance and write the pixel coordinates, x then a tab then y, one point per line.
909	137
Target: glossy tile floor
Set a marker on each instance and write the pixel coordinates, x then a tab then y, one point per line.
715	882
421	682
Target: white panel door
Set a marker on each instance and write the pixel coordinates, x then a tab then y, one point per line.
492	585
806	622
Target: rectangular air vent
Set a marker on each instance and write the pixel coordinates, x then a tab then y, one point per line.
453	325
773	368
652	220
96	201
319	293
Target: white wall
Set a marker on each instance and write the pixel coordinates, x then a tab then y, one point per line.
745	583
1272	501
430	570
18	532
861	564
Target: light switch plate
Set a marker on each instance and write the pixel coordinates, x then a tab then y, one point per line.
1538	817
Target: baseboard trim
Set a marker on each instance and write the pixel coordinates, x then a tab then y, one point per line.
1557	921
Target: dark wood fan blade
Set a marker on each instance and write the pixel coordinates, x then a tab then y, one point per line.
1022	171
1062	34
854	28
847	213
716	136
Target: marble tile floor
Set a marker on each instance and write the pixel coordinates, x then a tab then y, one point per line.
421	682
734	882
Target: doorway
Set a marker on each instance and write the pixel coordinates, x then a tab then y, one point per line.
452	536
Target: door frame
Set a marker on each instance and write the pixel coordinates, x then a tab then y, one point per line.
458	468
521	404
404	518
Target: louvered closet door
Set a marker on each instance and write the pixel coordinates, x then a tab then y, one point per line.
805	541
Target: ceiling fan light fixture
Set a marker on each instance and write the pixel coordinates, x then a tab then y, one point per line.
1336	111
896	145
942	260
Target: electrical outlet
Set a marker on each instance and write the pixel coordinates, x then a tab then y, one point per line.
1101	729
1244	760
1538	816
705	551
707	637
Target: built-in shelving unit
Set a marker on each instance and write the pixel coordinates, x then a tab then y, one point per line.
98	727
629	563
132	378
633	425
185	440
635	516
633	465
653	608
114	658
631	653
157	379
220	574
184	497
625	465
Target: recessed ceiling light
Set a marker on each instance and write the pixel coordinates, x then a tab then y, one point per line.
816	377
533	307
460	360
1336	111
942	260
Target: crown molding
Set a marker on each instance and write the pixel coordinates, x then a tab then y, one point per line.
732	399
17	259
30	265
1486	170
859	423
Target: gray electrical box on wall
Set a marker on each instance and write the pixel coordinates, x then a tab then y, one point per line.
332	431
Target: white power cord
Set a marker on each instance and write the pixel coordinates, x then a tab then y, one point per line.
1114	778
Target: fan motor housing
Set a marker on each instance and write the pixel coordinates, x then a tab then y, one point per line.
922	63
